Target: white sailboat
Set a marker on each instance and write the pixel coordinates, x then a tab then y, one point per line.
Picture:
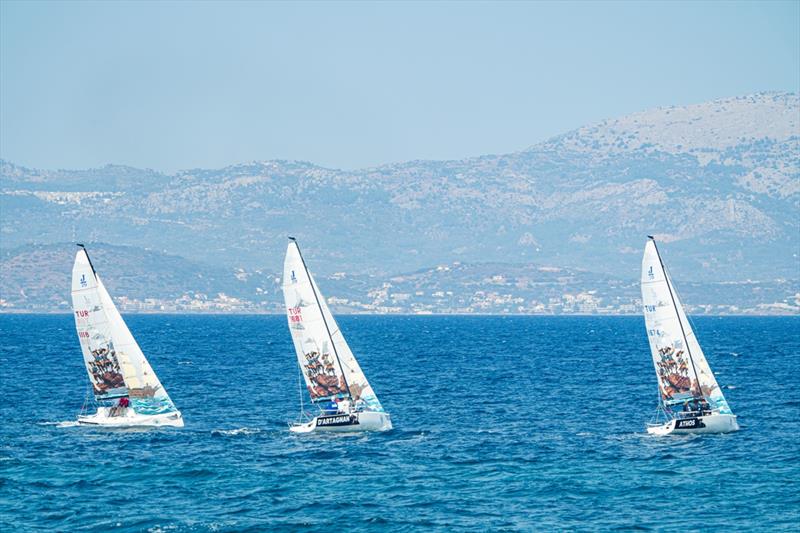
690	400
333	378
126	389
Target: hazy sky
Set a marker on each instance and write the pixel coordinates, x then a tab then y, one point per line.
348	85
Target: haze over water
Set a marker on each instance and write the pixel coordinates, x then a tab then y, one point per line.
518	423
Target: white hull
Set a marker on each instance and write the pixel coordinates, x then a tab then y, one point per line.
714	423
345	423
131	419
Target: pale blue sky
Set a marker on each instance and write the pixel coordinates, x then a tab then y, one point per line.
347	85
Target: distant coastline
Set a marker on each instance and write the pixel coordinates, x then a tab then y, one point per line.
339	313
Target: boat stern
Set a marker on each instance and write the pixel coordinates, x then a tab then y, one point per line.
713	423
102	418
345	423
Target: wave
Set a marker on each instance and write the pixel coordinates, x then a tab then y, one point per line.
235	432
400	437
62	424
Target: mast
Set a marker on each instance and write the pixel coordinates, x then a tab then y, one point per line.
324	321
82	247
678	314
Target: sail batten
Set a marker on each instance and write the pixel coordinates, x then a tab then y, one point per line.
329	367
681	367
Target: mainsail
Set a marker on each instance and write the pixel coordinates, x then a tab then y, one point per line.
681	367
116	365
328	365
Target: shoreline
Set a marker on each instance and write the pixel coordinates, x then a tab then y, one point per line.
265	313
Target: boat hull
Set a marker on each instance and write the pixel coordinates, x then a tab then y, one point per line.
345	423
131	420
715	423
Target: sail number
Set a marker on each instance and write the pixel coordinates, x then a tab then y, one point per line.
82	313
83	334
294	314
650	308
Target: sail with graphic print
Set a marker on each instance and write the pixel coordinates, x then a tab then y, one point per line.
333	378
690	400
125	388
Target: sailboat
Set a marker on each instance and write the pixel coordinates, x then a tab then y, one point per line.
125	387
333	379
690	400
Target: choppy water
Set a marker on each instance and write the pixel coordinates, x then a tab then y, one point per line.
500	423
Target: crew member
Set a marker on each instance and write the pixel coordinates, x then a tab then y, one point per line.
344	405
332	408
359	404
121	408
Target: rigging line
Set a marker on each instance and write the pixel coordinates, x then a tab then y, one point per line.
655	366
661	413
678	315
86	398
300	390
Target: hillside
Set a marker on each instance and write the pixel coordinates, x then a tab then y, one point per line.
718	183
38	277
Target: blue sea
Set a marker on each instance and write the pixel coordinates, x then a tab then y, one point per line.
501	423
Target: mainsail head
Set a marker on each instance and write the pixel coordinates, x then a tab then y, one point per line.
681	367
329	368
115	363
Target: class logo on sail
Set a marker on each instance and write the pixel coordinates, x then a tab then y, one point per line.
650	274
83	280
293	277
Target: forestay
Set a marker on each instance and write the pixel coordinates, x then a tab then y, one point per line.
116	365
328	365
679	361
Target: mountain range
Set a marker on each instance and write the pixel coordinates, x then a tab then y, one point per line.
717	183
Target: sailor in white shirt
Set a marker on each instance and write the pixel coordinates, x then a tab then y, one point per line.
344	405
359	404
